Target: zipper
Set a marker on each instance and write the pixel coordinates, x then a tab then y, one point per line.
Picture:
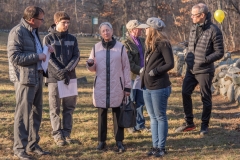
108	78
121	83
95	81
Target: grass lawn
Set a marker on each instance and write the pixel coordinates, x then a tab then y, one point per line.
222	142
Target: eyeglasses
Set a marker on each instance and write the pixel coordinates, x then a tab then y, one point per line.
39	19
196	15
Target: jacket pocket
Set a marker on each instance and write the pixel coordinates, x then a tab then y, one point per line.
121	83
28	76
95	82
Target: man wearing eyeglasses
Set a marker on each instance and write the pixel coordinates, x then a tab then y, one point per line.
204	48
62	64
25	54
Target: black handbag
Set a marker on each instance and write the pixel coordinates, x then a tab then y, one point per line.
127	116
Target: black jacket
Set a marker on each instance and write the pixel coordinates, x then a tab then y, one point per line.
205	47
160	61
134	55
66	54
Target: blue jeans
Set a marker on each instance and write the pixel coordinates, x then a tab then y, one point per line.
137	98
156	104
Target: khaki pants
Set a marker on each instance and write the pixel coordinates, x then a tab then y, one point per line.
61	128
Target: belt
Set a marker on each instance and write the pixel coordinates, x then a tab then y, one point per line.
40	71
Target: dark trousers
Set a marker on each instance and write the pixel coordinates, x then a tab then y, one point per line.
189	83
28	116
102	124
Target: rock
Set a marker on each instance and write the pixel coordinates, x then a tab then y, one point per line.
230	93
82	80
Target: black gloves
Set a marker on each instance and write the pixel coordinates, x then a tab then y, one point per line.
61	74
66	79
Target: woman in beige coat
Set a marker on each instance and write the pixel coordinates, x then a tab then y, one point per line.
109	60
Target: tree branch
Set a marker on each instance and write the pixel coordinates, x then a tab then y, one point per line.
235	6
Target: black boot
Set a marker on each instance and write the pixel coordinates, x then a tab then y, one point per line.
101	145
120	146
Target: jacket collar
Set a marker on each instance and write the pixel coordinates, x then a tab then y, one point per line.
26	25
134	45
110	44
208	20
52	29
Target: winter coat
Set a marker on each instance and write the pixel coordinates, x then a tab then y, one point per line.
66	54
205	47
160	61
112	69
22	54
134	55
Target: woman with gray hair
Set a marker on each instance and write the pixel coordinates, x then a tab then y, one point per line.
156	82
109	60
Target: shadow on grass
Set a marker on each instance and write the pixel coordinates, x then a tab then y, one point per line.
6	81
4	92
214	140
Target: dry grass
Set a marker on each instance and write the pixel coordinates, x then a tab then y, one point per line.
223	141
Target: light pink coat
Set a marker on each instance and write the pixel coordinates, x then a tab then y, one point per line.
119	75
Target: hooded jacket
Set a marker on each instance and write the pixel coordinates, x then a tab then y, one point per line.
205	47
66	54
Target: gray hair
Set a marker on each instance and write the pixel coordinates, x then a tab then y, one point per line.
201	7
105	23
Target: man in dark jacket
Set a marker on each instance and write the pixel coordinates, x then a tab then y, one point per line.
62	64
135	46
25	54
204	48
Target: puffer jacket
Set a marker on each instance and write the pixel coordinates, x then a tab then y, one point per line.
112	73
66	53
133	55
22	54
204	49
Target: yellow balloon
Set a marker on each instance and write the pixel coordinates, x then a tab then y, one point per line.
219	16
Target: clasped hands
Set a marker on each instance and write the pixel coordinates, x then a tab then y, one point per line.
62	74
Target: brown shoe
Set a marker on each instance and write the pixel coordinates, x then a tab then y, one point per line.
69	140
38	150
60	141
133	130
23	156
